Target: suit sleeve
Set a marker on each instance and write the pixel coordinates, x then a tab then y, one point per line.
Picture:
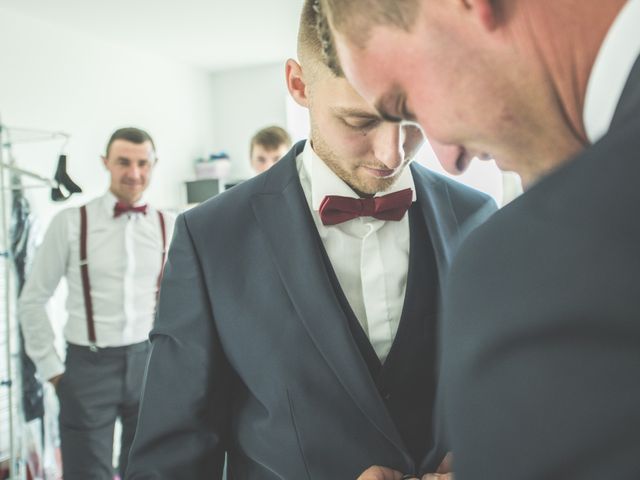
182	427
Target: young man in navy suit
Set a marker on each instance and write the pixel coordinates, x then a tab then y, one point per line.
314	357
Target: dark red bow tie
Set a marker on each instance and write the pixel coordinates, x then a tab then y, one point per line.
121	208
335	209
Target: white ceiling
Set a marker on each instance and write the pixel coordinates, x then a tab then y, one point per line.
213	34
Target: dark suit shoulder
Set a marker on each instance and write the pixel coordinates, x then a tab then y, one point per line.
594	193
569	244
594	197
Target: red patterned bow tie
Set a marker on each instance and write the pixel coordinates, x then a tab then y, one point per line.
121	208
335	209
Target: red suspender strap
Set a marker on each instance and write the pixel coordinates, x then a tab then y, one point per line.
164	251
84	273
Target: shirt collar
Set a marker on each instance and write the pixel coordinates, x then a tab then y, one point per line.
325	182
617	55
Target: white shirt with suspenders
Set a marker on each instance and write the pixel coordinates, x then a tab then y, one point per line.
121	266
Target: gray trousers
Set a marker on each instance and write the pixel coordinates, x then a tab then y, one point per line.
96	389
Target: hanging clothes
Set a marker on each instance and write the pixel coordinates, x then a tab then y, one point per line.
32	392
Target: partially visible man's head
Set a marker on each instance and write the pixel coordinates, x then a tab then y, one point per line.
347	133
130	158
267	147
482	77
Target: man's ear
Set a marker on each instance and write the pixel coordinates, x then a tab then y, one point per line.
296	83
104	160
486	11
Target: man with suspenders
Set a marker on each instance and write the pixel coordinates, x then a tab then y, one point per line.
111	252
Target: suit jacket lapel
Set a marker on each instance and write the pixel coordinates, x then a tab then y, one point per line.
630	99
439	217
283	214
446	234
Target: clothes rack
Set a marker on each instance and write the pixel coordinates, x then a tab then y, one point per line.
10	379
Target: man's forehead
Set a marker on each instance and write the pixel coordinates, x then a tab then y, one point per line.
260	148
391	103
374	77
370	66
126	150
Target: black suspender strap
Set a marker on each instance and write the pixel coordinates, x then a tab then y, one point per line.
84	273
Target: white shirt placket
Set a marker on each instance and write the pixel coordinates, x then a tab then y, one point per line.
129	283
374	291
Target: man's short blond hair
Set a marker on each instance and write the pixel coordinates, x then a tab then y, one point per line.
270	138
311	45
356	18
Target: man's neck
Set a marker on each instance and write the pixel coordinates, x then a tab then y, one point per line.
126	201
570	56
558	42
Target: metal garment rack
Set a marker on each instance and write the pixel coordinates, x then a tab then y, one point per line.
16	466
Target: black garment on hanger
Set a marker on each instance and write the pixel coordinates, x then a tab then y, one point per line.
62	177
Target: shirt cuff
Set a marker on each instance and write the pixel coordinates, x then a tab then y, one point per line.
50	366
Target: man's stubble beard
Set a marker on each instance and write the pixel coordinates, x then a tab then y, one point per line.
362	188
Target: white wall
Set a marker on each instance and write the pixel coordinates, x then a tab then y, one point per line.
58	80
53	79
244	101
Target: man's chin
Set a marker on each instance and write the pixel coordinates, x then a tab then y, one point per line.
130	197
133	191
377	186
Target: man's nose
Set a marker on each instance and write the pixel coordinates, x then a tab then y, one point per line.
134	171
388	147
450	157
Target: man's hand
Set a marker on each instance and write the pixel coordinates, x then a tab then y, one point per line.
444	470
380	473
55	380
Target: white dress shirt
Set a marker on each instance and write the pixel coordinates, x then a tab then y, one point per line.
124	256
370	256
611	70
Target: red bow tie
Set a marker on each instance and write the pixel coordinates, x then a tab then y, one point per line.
121	208
335	209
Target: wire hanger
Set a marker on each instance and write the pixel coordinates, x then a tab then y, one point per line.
61	177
